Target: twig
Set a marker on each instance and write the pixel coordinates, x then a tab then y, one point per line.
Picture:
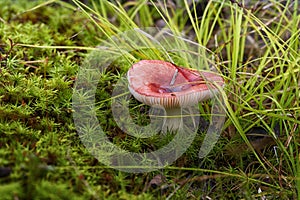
174	77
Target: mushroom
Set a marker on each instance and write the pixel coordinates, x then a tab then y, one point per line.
156	82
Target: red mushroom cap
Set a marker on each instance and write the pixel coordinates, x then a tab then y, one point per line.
150	83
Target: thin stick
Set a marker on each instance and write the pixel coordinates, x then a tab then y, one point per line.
195	82
174	77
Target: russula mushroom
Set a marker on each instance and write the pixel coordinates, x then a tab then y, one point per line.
156	82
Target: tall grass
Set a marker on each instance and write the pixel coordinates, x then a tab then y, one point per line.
258	55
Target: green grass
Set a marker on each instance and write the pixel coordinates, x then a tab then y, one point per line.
45	44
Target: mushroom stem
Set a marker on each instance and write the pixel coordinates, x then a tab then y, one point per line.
173	120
